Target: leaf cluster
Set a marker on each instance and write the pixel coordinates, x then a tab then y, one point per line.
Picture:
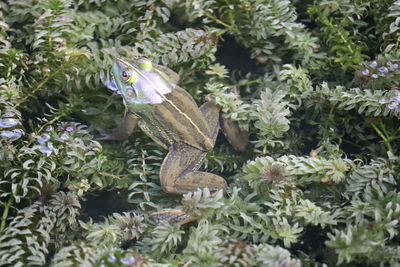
318	185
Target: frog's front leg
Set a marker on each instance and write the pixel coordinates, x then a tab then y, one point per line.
124	129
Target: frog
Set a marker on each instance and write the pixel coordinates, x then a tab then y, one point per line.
169	115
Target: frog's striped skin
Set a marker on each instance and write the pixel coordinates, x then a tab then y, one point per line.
170	116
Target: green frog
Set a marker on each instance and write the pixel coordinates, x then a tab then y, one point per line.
169	115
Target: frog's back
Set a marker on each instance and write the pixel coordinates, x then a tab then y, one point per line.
178	119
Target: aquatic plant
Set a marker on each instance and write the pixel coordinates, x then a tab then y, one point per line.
316	84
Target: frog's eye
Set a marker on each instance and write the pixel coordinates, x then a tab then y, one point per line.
129	76
145	64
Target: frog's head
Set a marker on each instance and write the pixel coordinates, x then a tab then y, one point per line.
140	82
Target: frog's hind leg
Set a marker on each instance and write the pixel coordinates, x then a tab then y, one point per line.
179	173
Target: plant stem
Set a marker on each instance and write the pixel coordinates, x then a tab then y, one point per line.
110	175
38	87
217	20
5	214
51	122
384	138
244	83
33	92
46	124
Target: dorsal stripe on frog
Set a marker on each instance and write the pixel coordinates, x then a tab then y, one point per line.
207	141
167	115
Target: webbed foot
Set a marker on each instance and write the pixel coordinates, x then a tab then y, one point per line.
238	138
172	216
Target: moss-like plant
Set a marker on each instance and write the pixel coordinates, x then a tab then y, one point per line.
316	84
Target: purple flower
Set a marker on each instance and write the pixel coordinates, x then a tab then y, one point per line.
383	70
7	134
397	3
64	136
199	33
382	101
62	18
393	66
112	258
127	261
365	72
8	123
11	135
393	105
373	64
49	129
43	139
46	149
8	115
374	76
395	99
69	129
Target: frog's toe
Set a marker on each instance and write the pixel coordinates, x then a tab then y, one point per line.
172	216
114	136
106	137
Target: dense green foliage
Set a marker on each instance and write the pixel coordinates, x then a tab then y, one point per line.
319	86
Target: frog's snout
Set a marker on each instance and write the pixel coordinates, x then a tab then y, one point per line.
118	66
120	61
